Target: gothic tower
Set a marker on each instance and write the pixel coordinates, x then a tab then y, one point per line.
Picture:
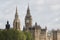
16	22
28	19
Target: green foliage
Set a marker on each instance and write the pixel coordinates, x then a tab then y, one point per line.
28	36
14	35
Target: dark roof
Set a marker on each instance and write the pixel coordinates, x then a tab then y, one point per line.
43	29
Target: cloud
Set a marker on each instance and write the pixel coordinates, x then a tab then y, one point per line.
53	2
55	7
44	12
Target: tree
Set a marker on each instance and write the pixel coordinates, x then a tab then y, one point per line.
28	36
12	34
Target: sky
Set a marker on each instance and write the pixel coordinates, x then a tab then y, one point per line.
44	12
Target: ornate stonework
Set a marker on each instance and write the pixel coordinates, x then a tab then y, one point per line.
16	22
55	35
28	18
37	32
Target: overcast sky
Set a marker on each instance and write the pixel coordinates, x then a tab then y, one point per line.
44	12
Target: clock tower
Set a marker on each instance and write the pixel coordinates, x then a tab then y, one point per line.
28	19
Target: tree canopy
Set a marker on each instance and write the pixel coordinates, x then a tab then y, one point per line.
12	34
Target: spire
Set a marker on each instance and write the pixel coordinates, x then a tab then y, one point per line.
28	11
28	8
16	14
28	18
16	9
16	22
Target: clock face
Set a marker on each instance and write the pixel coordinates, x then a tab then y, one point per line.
27	21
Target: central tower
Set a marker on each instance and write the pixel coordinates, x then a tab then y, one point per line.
28	19
16	22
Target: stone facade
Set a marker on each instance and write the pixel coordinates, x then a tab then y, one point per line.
16	22
58	34
55	35
37	32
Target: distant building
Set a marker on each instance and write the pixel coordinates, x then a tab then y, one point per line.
16	22
37	32
55	35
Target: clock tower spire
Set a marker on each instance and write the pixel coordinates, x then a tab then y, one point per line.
28	18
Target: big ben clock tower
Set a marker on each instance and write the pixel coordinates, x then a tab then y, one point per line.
28	19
